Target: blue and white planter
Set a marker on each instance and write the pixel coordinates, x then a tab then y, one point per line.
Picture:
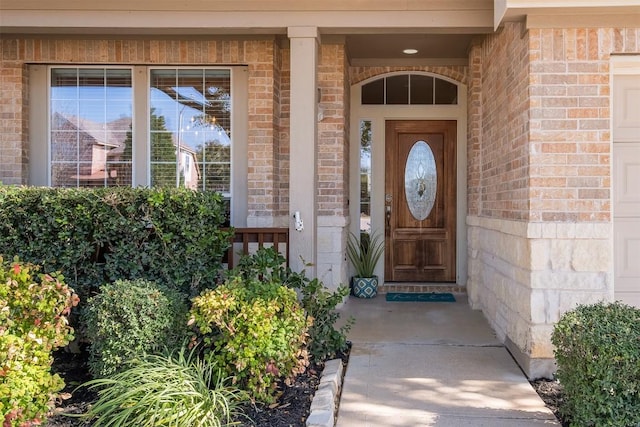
365	287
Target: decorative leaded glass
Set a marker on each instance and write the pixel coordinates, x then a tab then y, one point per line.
420	180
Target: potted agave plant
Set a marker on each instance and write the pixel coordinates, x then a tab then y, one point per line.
364	252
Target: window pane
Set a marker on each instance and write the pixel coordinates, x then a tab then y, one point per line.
89	131
398	90
421	90
60	111
365	176
64	84
191	115
163	175
373	93
91	114
217	177
91	83
62	174
163	149
446	92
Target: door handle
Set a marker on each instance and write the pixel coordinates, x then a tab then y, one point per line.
388	215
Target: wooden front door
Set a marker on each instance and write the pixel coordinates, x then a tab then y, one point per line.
420	201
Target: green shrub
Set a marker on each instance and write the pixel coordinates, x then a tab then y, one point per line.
130	318
598	356
157	391
33	322
96	236
265	264
319	302
255	330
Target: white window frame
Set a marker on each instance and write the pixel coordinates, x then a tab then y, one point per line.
40	131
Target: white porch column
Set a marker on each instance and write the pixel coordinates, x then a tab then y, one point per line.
303	147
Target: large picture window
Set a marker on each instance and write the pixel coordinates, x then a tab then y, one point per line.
93	127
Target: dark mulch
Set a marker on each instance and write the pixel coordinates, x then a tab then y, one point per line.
292	406
290	410
552	395
73	369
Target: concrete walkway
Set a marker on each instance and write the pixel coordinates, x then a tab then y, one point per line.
431	364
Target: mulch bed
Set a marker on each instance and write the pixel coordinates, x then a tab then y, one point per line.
552	395
290	410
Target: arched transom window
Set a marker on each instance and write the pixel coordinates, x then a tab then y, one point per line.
410	89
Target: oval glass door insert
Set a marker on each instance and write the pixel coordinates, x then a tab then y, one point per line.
420	180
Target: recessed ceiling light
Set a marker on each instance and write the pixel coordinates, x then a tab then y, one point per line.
410	51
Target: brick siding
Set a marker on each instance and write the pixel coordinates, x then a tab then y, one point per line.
570	121
284	65
333	132
539	123
265	88
499	182
13	120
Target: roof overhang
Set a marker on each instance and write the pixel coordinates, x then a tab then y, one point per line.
568	13
229	17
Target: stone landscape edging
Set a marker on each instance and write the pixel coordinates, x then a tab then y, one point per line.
324	405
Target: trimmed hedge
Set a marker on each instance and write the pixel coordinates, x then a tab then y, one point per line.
96	236
598	356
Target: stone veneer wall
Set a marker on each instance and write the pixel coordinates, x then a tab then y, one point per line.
539	224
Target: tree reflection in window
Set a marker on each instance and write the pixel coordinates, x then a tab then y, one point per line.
365	176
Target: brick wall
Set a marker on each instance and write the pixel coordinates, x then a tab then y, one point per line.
333	132
13	119
284	61
570	121
267	84
263	142
333	164
503	152
474	129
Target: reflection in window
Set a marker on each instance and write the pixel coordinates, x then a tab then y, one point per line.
365	176
90	127
191	129
409	89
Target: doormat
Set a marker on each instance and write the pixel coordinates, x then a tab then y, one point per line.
422	297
